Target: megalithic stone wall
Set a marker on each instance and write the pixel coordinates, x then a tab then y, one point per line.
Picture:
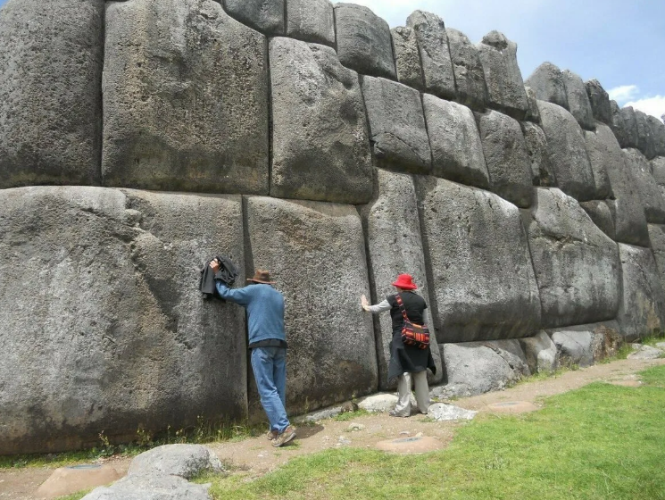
310	139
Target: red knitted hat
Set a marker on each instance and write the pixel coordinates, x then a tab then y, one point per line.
405	281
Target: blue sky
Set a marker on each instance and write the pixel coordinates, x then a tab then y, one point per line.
619	42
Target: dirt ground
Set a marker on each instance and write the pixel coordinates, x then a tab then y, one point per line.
256	456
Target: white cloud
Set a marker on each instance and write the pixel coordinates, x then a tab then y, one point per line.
650	105
624	93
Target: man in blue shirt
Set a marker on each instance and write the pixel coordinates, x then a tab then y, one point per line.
267	341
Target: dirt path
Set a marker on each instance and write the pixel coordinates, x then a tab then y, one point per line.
256	456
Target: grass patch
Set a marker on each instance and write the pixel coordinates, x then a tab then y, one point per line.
601	441
75	496
345	417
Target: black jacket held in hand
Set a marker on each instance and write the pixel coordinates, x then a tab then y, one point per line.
227	273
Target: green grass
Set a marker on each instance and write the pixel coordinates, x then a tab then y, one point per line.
598	442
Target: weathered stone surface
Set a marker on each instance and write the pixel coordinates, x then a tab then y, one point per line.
598	158
600	101
574	346
630	221
51	59
407	58
646	352
480	367
441	412
657	238
533	113
540	353
316	254
576	264
320	144
602	216
311	21
567	152
120	337
483	285
578	100
503	77
548	83
395	246
657	134
506	158
542	173
658	170
624	126
606	339
378	403
266	16
183	460
185	99
649	192
364	43
642	308
151	487
457	152
645	142
468	69
437	65
397	125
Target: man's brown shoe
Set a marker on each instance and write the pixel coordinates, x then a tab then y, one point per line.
271	435
286	436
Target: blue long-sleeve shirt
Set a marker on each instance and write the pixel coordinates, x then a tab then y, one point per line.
265	310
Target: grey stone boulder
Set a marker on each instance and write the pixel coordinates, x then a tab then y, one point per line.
311	21
479	367
597	153
576	264
482	282
658	170
574	346
600	101
549	84
185	99
394	245
542	173
645	142
316	254
378	403
184	460
567	151
624	126
642	308
506	157
457	152
606	339
51	60
120	337
438	73
533	113
657	239
441	412
630	221
266	16
398	134
646	352
151	487
505	87
578	100
657	134
602	215
540	353
468	69
320	145
364	43
649	192
407	57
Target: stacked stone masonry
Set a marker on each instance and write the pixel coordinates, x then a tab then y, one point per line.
139	139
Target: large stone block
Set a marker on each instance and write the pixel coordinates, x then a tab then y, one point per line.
540	353
542	173
434	51
320	146
457	152
266	16
567	151
657	134
602	215
503	77
578	100
657	237
642	308
658	170
584	345
311	21
51	59
397	125
576	264
506	158
648	190
645	141
548	83
600	101
364	43
395	246
407	58
597	153
482	281
630	221
102	317
185	99
468	69
316	254
533	113
624	125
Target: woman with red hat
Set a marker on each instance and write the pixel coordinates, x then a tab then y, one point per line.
406	361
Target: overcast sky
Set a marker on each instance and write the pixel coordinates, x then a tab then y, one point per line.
619	42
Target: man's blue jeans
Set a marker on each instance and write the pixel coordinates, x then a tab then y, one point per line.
269	367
